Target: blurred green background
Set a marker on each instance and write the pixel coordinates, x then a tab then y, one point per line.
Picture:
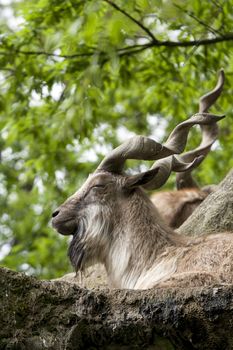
77	78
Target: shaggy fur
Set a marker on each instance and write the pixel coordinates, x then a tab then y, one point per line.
116	224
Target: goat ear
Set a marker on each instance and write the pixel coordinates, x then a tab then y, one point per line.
140	179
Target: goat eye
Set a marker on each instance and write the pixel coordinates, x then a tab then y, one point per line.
97	186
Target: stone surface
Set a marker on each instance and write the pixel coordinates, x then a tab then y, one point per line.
58	315
94	276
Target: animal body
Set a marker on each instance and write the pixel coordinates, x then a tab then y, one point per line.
112	221
176	206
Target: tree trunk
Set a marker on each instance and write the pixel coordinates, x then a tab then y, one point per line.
215	213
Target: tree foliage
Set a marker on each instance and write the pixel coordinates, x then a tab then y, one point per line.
76	78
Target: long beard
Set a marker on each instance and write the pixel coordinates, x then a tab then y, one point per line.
89	241
76	251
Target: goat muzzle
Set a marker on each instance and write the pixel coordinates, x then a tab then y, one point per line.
63	222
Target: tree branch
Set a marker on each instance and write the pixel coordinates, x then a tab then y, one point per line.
48	54
202	42
128	50
151	35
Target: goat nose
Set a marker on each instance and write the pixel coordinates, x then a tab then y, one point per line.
55	213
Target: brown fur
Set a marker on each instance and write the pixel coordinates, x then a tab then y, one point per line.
114	223
176	206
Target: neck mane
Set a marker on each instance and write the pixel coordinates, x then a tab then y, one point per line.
139	239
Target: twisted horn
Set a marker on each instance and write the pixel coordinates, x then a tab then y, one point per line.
209	135
144	148
208	100
166	166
